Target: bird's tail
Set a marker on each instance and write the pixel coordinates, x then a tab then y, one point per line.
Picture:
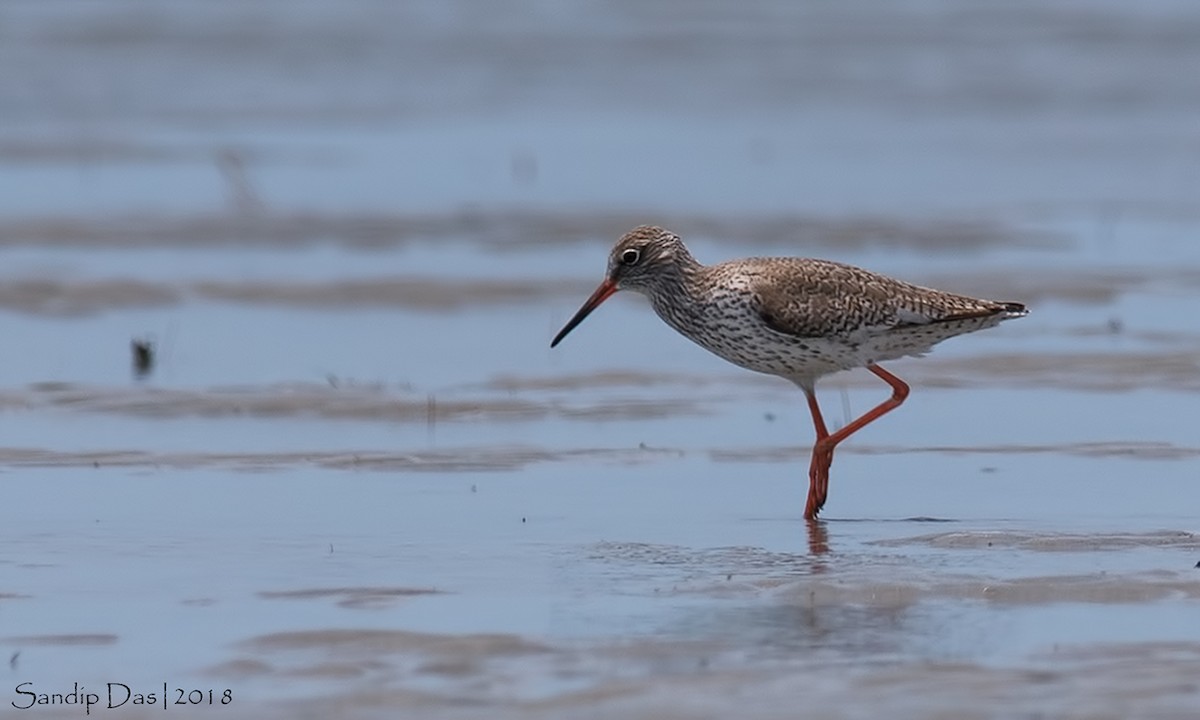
1014	310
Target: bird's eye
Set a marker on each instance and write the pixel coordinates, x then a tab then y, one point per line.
631	256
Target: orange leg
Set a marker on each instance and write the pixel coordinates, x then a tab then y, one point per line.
819	466
822	454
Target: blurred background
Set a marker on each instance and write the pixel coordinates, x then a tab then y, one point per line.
428	109
278	280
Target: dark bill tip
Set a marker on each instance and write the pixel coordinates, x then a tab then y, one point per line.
605	291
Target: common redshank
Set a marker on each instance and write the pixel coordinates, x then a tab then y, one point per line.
798	318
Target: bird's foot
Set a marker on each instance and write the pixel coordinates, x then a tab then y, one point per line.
818	481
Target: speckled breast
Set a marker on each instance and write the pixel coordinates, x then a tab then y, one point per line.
728	327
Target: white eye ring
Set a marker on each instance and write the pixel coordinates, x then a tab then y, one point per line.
631	256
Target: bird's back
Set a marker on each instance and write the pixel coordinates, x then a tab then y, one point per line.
820	298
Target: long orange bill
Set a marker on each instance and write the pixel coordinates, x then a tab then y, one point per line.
604	292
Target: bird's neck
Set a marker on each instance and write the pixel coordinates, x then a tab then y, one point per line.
677	292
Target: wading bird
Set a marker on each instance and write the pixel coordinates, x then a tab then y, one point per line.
798	318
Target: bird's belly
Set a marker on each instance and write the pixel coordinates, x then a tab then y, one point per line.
917	339
750	344
755	347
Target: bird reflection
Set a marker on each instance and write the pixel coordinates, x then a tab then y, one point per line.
818	541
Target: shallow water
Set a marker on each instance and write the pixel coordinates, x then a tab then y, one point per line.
357	482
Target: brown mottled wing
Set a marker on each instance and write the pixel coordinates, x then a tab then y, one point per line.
820	298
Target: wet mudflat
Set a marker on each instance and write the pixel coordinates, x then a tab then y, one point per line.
354	481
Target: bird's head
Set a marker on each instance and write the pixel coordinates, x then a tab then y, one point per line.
643	257
644	260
